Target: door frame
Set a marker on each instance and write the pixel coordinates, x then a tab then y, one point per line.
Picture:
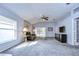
75	31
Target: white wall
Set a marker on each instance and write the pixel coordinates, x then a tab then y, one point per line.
46	25
70	23
8	14
67	22
28	25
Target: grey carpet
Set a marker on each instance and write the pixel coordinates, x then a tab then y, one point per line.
49	47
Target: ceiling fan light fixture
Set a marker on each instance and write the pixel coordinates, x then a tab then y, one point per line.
67	3
44	18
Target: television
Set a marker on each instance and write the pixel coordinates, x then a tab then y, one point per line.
62	29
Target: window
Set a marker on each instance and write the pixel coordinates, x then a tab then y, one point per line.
40	31
8	29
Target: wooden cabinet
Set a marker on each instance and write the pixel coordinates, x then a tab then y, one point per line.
61	37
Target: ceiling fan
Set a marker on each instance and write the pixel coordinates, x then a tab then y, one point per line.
67	3
44	17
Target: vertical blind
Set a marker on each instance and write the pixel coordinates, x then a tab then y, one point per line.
8	29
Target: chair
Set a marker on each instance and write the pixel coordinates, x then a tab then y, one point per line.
30	36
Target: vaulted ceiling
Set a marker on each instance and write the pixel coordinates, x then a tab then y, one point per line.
32	12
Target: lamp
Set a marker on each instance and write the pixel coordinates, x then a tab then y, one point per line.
24	32
25	29
43	20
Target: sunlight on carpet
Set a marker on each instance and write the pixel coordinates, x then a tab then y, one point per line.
26	44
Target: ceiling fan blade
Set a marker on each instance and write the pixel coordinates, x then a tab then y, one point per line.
44	17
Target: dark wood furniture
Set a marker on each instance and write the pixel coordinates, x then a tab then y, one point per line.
33	36
61	37
30	36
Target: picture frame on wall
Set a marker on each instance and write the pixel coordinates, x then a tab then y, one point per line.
50	28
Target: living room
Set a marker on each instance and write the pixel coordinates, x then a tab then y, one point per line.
49	28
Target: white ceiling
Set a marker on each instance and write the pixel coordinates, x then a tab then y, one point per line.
32	12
